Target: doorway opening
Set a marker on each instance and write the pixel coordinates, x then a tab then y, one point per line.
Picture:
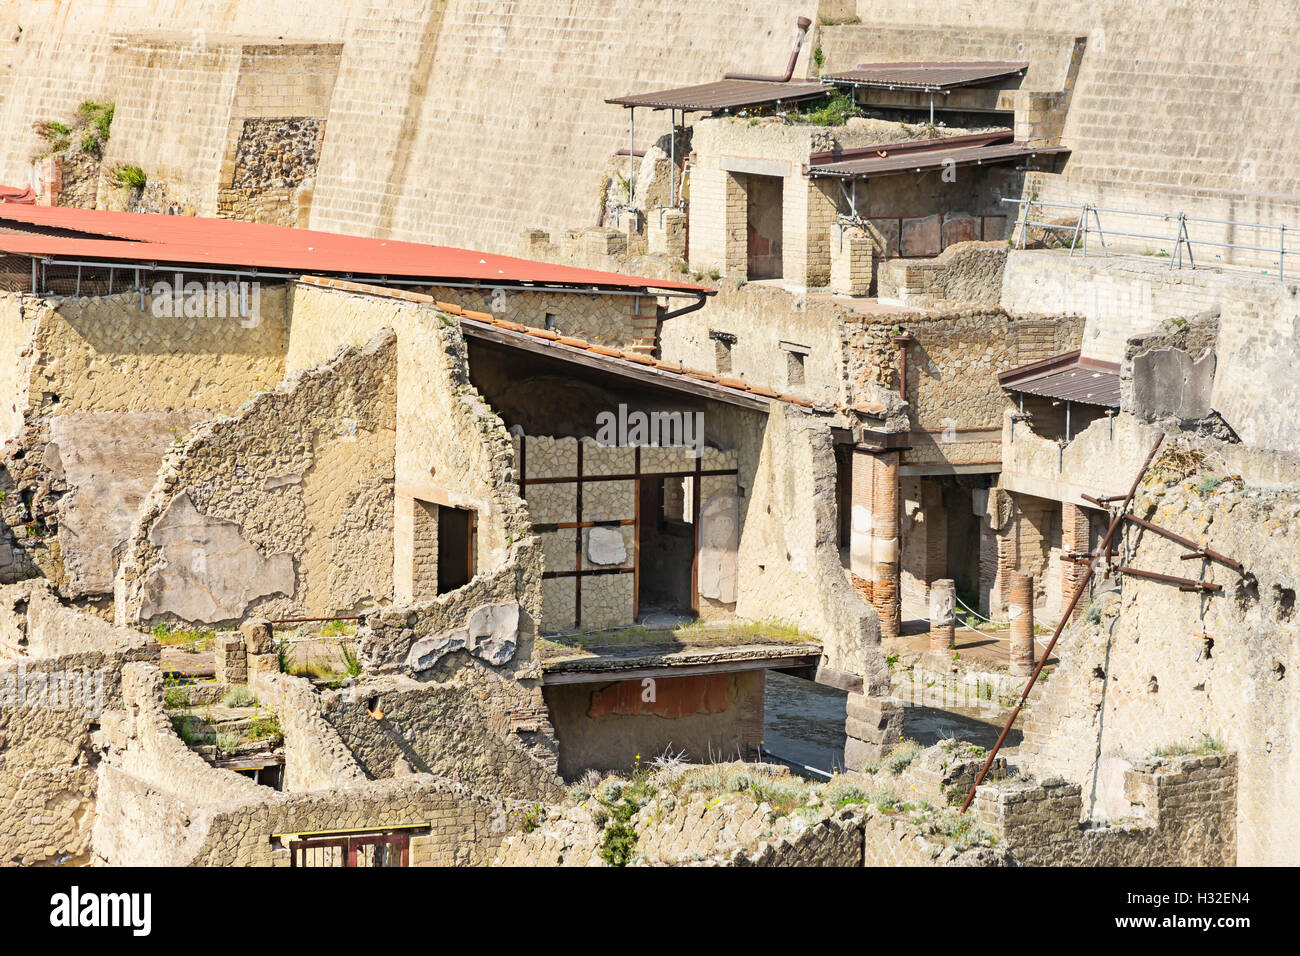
455	548
666	545
763	225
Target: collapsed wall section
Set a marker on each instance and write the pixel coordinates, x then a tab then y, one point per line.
99	389
285	507
1157	669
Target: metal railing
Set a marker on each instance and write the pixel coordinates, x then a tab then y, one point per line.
1088	222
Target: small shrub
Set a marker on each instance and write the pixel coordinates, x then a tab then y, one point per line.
131	177
228	743
835	110
351	662
1207	483
239	696
1093	613
265	728
901	757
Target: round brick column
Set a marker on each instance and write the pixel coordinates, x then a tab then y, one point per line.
943	615
884	544
1020	609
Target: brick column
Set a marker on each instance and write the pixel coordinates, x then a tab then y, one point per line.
1074	537
943	614
884	543
1020	610
231	659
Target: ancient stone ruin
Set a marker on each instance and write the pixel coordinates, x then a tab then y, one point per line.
433	442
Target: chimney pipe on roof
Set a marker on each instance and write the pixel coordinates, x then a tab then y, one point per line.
800	31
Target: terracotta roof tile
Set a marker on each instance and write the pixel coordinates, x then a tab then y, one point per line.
673	368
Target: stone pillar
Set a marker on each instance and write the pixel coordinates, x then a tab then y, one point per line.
231	661
943	614
873	727
259	646
861	491
852	260
666	233
1074	537
1020	609
884	543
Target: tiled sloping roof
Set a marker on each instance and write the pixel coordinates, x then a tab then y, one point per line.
101	235
610	359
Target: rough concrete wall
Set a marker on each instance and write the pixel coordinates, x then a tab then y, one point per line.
452	448
1184	66
286	506
467	723
968	272
1183	813
789	547
106	354
955	401
64	669
100	389
761	319
1164	667
315	756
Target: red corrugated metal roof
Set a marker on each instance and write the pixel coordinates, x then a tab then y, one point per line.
194	241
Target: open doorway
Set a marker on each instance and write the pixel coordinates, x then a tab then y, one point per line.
763	222
455	548
666	545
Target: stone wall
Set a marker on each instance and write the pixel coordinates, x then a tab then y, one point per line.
61	669
286	507
98	390
1164	669
969	273
1184	813
790	567
953	359
464	722
160	803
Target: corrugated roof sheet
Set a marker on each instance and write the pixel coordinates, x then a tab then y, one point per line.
926	76
612	360
723	95
100	235
1067	377
887	162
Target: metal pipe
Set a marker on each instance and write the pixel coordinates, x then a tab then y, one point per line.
686	309
631	153
800	31
1065	618
1185	583
1185	542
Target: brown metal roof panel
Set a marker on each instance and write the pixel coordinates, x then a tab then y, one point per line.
1083	383
926	75
906	162
722	95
